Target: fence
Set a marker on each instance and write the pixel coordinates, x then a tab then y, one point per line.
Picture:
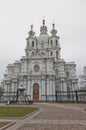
9	96
15	97
60	96
71	96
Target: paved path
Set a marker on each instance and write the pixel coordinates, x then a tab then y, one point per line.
53	117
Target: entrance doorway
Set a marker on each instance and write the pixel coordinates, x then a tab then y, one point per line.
36	91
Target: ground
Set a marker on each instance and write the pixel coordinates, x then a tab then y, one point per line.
15	111
53	116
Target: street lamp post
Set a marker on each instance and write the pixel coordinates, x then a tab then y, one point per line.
46	87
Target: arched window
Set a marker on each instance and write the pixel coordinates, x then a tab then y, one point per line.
28	44
56	88
27	53
67	74
42	53
57	54
32	43
42	45
56	72
32	53
51	53
68	88
51	42
36	43
56	42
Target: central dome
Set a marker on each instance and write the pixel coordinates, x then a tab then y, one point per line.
43	37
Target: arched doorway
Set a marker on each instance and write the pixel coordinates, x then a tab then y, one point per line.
36	91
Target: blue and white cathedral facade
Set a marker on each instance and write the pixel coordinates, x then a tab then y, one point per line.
42	71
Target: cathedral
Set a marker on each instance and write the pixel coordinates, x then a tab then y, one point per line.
82	80
41	71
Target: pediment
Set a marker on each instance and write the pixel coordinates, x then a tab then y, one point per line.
37	55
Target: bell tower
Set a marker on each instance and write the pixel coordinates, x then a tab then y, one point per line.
31	42
54	45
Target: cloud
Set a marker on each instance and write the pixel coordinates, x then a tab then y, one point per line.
16	16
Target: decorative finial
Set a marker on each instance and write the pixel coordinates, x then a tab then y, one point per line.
31	27
53	26
53	31
43	17
43	22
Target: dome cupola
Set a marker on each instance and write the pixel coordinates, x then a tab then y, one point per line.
43	37
53	31
43	28
31	32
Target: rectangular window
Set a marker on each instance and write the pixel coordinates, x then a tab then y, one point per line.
32	43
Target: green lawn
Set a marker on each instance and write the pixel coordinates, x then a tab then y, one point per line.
3	124
15	111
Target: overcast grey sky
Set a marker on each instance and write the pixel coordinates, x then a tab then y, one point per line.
16	16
